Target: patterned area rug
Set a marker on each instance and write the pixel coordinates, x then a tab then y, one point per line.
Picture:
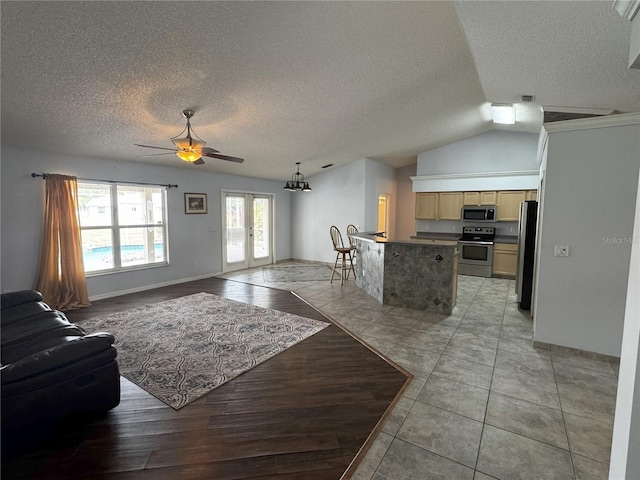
296	273
180	349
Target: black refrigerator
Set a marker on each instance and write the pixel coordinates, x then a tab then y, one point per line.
526	252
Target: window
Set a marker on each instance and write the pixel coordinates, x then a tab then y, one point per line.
122	226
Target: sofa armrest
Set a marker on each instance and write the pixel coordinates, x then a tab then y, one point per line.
75	350
11	299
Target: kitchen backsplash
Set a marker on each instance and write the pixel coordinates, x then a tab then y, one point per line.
455	226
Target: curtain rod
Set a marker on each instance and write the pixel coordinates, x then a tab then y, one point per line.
168	185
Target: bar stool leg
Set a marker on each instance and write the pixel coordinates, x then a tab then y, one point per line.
335	264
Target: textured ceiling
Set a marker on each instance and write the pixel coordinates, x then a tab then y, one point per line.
315	82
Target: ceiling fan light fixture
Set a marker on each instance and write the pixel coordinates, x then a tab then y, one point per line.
190	146
188	143
189	155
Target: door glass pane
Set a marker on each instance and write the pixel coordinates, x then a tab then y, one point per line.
235	229
261	222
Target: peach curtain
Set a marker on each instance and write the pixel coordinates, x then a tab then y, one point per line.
62	280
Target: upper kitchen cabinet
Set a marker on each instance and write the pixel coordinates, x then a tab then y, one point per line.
427	206
508	205
532	195
480	198
450	205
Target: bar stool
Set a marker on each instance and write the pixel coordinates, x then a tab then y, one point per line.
352	230
342	251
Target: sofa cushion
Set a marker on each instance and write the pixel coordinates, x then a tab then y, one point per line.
11	299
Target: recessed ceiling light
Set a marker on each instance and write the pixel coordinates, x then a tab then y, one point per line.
503	113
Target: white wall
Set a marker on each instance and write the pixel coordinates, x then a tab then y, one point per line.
626	429
340	196
495	151
379	179
496	160
588	204
190	238
406	202
337	199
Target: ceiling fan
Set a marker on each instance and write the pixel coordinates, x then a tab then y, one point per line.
190	147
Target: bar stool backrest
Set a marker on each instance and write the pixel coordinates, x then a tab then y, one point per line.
336	238
351	230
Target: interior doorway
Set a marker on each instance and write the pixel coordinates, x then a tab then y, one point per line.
383	213
247	225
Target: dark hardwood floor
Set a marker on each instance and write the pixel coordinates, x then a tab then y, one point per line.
307	413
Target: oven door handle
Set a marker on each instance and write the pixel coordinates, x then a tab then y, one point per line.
474	242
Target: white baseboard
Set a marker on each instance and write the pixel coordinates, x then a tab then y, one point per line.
151	287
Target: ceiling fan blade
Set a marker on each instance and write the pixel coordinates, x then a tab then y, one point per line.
156	154
209	150
159	148
223	157
199	161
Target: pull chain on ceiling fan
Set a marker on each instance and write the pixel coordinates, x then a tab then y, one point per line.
191	148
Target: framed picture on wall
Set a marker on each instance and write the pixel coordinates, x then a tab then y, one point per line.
195	203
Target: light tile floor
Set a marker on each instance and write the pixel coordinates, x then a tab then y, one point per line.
484	402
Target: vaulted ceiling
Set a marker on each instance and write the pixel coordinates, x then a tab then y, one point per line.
314	82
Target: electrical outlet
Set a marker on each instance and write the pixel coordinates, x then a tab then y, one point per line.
561	251
195	265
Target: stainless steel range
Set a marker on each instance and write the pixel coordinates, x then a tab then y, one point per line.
476	251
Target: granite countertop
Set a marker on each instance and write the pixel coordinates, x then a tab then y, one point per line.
506	239
456	236
436	236
414	240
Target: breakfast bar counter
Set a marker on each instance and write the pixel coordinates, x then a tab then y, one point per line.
410	273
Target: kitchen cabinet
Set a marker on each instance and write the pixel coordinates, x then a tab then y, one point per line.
480	198
508	205
505	260
450	205
427	206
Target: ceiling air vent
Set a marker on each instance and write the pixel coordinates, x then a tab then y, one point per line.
327	165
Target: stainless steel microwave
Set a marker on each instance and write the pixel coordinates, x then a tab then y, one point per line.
479	213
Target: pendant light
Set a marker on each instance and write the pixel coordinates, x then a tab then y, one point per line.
297	183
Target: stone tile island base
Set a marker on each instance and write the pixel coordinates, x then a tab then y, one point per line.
415	274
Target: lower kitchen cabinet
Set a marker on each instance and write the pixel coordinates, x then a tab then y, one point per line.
505	260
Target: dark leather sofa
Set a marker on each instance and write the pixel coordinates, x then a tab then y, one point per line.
51	369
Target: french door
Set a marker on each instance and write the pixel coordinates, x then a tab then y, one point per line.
247	220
